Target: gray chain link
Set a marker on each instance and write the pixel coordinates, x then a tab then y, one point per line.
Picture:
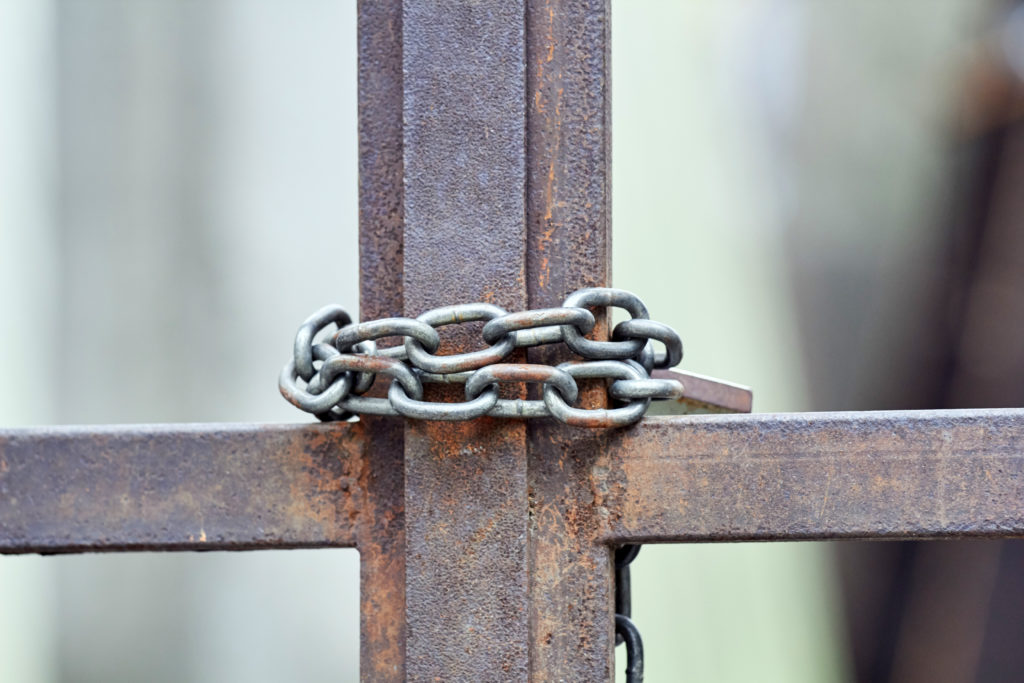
336	361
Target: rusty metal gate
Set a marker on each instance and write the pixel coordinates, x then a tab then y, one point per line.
487	545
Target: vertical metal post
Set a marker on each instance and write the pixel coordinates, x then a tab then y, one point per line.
484	177
569	247
464	241
381	524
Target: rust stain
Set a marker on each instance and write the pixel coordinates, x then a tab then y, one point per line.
899	475
482	532
551	33
263	494
381	543
330	458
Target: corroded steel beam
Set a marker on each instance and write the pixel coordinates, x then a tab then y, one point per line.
381	213
179	487
568	217
464	240
927	474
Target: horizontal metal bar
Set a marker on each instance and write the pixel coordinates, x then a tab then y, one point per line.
179	487
933	474
703	395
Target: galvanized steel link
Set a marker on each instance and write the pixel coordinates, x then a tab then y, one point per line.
336	361
604	350
625	630
453	315
491	376
598	369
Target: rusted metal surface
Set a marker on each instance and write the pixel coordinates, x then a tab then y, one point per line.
381	207
465	483
179	487
381	532
486	546
927	474
568	247
703	394
569	148
382	522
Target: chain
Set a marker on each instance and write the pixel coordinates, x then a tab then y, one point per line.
336	361
625	630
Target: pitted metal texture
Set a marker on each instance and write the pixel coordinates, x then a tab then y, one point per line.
335	361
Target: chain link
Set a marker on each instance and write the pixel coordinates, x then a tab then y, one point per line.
625	630
336	361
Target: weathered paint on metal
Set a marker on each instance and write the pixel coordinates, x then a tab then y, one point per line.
927	474
568	247
381	212
179	487
465	483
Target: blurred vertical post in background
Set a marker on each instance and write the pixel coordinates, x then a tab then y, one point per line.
179	191
28	303
698	227
788	165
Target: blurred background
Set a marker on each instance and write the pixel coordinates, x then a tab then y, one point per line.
823	198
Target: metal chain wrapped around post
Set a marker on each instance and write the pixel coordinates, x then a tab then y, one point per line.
335	361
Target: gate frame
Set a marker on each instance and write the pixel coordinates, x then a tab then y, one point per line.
486	546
